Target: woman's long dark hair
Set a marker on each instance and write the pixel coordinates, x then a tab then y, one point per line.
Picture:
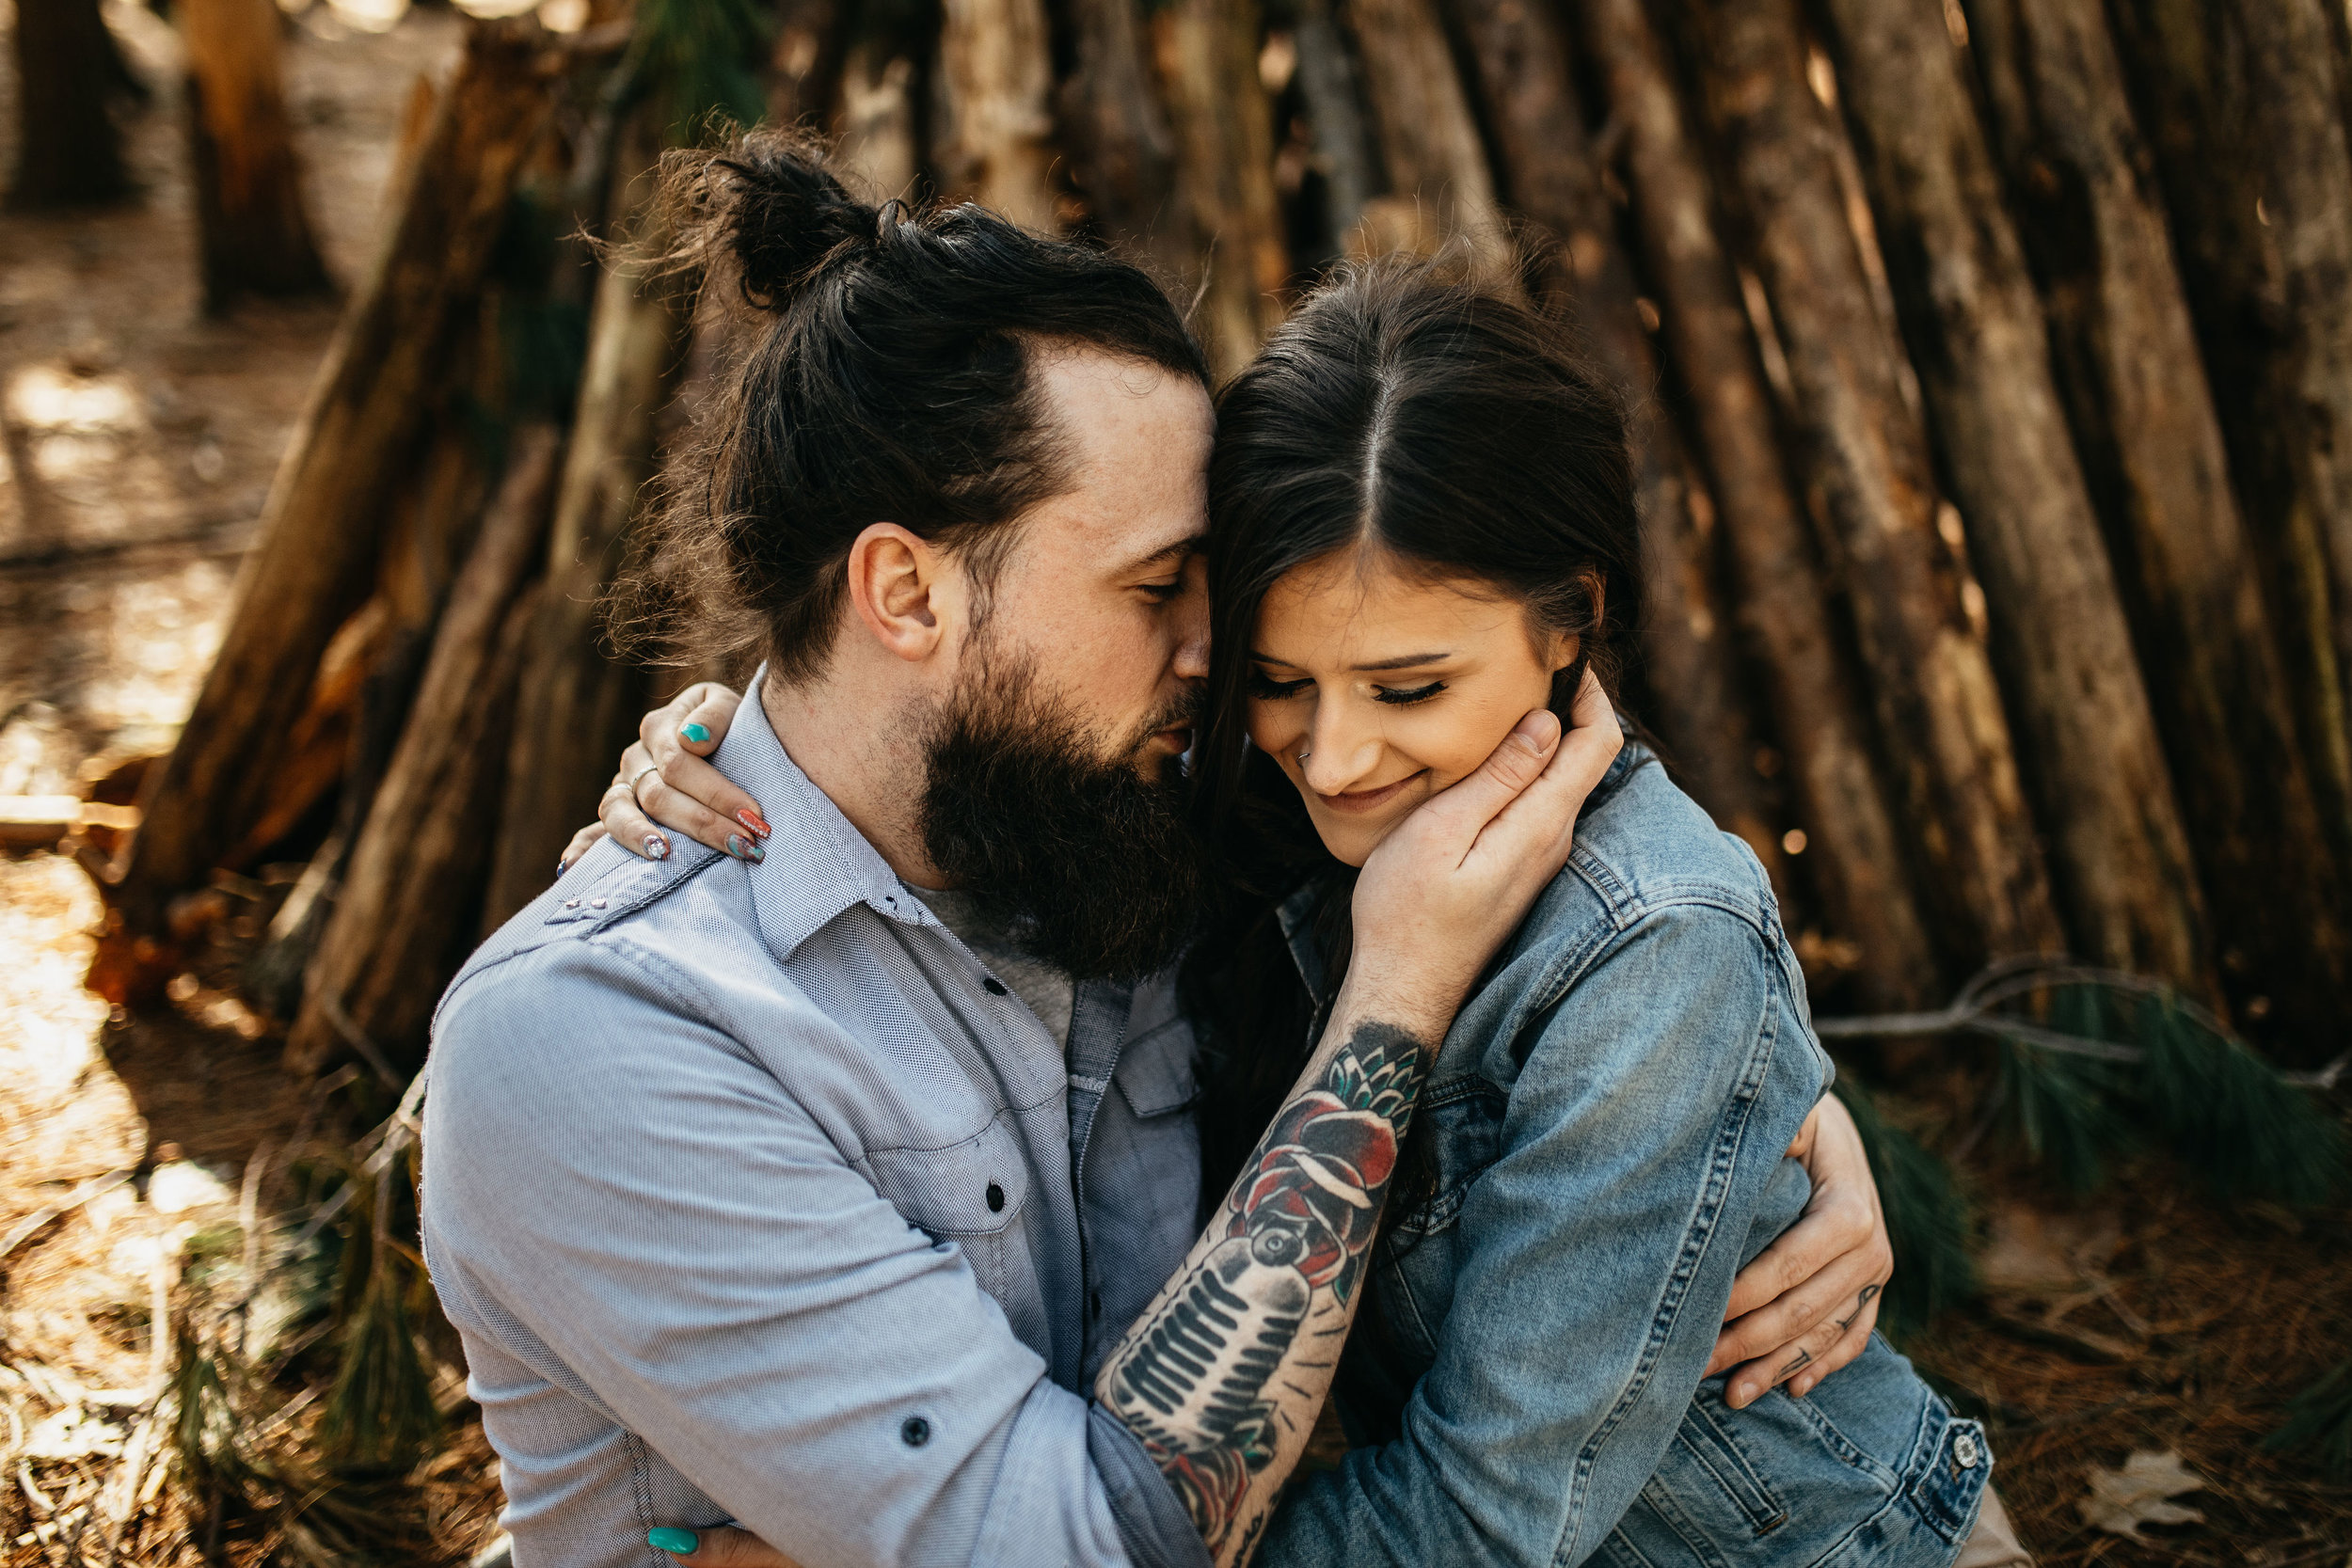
1404	411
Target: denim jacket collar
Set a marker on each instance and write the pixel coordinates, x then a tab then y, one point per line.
832	866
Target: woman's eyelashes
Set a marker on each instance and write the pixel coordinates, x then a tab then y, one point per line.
1267	689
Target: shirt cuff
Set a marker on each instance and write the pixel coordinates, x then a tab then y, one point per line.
1152	1525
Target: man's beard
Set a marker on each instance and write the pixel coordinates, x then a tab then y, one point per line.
1087	863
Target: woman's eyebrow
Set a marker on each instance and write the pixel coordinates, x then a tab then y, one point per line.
1405	661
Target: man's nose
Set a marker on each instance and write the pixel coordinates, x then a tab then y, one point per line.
1192	640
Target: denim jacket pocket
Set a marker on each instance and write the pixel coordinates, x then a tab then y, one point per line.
1947	1479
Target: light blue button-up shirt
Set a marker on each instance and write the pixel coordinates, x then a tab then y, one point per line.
756	1175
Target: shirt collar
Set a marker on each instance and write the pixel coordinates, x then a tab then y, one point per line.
817	862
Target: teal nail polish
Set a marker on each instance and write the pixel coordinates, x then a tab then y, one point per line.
745	848
682	1541
695	733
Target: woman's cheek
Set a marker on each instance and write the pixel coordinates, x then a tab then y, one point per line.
1268	729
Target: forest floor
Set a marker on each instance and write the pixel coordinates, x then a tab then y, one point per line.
140	436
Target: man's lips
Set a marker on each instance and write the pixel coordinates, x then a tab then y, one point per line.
1357	802
1176	740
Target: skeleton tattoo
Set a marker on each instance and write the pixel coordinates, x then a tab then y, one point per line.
1204	1379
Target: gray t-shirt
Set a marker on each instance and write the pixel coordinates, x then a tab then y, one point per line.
1048	990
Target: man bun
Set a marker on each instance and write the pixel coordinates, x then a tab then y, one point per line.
767	206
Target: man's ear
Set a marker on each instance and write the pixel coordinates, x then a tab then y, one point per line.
905	590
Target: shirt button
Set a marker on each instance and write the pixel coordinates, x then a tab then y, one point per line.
992	986
914	1431
996	1198
597	903
1964	1450
571	903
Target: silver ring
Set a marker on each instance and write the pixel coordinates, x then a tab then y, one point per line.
1303	755
649	768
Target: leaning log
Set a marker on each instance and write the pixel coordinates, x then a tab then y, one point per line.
69	72
1548	170
1206	56
322	526
2238	100
253	230
2126	879
584	706
397	927
2150	441
1428	136
1865	469
996	93
1855	860
1125	148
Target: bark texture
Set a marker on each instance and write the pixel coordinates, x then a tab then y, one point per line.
2145	425
252	225
68	73
1868	477
1207	53
1125	147
1438	174
322	526
396	928
1855	860
1548	170
2125	878
996	84
2240	101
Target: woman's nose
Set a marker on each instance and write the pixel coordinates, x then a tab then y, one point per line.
1339	752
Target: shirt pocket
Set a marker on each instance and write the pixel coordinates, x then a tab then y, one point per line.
968	1193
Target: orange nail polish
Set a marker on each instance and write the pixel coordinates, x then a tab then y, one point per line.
752	820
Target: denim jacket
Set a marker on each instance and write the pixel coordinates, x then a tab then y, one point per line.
1611	1114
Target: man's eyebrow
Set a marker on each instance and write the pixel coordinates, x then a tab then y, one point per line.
1174	550
1405	661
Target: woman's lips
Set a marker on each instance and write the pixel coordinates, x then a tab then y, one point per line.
1356	803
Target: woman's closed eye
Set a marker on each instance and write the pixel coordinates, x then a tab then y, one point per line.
1405	696
1265	686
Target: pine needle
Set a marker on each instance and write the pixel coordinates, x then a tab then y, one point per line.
2318	1427
1927	1219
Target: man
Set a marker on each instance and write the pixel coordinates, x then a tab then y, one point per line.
755	1188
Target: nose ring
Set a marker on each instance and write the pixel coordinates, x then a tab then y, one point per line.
1302	756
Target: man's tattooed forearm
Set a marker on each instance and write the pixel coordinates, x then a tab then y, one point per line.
1197	1380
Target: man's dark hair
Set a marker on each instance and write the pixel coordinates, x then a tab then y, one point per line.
890	381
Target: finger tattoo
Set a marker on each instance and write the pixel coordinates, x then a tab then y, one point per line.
1803	1358
1859	1303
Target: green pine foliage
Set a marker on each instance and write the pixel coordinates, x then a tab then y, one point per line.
2318	1427
2228	1116
701	58
1927	1219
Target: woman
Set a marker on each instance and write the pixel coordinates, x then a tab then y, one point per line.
1422	525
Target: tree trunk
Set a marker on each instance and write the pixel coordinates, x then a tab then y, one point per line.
1867	478
1547	166
321	529
1439	181
2238	100
68	73
253	230
416	865
2152	446
1207	55
1334	90
1125	151
583	706
996	80
1855	856
2125	876
877	142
